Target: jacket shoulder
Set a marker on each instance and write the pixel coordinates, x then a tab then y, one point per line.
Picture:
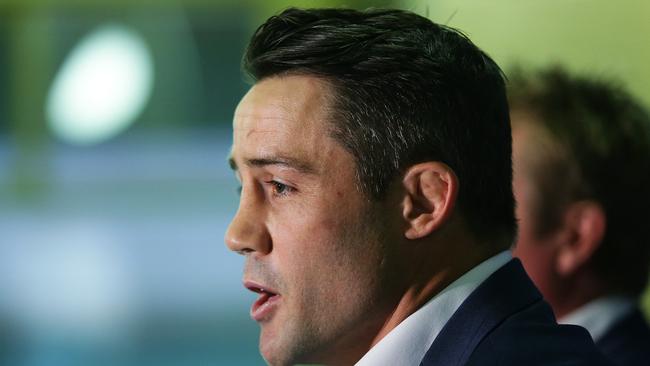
628	340
529	338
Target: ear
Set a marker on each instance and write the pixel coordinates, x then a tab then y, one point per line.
430	194
585	223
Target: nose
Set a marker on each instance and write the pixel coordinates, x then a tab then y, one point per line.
247	232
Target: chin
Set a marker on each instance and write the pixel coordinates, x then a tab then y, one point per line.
272	351
278	359
279	351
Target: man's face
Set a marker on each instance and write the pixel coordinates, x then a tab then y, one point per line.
537	254
310	238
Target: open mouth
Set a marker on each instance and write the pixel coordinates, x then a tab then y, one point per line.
264	305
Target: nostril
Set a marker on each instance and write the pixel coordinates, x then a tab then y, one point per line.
244	251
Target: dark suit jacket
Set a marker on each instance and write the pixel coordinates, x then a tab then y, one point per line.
506	322
627	342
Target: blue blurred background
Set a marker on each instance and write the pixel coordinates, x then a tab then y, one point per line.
114	188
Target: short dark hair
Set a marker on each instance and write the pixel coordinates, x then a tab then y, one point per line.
406	90
605	138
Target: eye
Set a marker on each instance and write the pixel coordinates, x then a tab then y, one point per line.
280	189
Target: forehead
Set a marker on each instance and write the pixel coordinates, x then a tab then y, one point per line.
284	96
284	116
533	145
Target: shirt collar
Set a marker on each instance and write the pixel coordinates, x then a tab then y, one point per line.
407	343
599	315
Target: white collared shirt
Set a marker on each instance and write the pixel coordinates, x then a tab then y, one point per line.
407	343
599	315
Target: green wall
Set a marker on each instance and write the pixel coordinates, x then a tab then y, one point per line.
600	37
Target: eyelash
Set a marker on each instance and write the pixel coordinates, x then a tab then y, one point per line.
280	189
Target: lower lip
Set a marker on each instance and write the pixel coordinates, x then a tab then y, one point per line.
264	307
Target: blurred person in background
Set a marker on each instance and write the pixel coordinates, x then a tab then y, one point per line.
376	210
581	156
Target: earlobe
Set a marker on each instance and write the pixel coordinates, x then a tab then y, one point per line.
585	224
430	194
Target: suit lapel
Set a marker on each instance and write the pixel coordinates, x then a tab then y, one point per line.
504	293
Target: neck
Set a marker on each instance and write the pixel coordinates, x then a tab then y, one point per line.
568	299
428	269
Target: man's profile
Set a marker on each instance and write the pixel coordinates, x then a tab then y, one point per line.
376	206
582	181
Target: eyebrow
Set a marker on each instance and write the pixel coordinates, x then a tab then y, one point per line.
287	162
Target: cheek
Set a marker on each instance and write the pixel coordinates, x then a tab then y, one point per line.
304	241
319	251
535	255
538	260
316	227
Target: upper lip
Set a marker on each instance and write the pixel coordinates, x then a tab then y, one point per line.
259	288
